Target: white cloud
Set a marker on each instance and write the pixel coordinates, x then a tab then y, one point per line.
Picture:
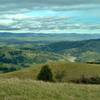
57	22
6	22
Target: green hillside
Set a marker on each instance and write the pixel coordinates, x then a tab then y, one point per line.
69	71
22	84
14	57
81	46
84	51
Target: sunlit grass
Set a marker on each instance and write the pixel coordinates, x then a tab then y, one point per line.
16	89
71	71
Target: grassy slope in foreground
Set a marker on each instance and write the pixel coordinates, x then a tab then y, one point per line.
70	70
15	89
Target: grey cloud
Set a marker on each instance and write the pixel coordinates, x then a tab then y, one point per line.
8	28
17	6
55	2
7	4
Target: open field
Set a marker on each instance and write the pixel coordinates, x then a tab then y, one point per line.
15	89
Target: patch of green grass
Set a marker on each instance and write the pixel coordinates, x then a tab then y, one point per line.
15	89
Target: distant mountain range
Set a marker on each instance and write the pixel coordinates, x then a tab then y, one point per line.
83	45
47	37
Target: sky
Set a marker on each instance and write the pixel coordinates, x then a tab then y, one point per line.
50	16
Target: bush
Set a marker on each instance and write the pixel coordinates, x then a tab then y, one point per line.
88	80
60	75
45	74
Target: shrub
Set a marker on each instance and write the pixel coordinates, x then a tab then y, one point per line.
88	80
60	75
45	74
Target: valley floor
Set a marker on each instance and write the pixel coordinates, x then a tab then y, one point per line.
16	89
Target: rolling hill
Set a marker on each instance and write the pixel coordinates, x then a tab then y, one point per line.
22	84
16	57
69	71
92	44
79	49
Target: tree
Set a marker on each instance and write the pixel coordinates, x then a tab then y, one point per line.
45	74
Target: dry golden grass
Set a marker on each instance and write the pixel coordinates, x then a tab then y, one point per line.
70	70
16	89
21	85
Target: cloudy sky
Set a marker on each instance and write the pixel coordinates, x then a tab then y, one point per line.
50	16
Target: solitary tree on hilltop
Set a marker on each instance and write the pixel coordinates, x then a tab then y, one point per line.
45	74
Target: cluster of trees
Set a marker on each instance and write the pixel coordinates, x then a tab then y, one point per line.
7	69
22	56
15	58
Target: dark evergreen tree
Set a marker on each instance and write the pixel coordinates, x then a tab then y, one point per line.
45	74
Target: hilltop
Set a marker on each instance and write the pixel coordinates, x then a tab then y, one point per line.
22	84
69	71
